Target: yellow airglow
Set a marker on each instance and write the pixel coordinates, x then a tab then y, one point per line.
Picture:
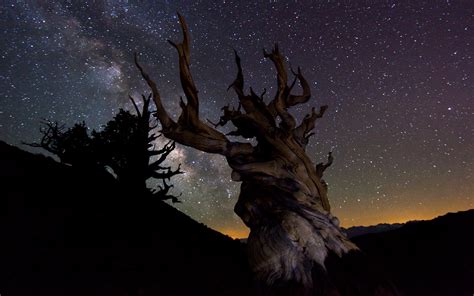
235	233
384	216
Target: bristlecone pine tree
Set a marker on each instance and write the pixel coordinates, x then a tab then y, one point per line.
283	198
127	145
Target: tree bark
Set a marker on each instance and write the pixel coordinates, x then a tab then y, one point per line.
283	198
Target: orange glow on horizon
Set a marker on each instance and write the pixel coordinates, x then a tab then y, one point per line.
235	233
391	215
390	218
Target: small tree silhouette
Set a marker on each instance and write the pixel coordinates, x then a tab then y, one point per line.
125	144
72	146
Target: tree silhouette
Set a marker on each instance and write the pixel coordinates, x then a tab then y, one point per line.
125	144
283	198
72	146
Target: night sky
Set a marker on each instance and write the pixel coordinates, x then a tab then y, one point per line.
398	77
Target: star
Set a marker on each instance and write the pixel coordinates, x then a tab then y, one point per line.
397	79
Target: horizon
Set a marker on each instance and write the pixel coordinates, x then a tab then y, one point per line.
243	233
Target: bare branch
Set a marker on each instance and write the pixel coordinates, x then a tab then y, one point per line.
139	114
163	152
302	132
247	126
162	193
321	167
146	107
51	132
165	172
238	84
190	130
253	104
191	116
304	97
166	121
277	59
279	103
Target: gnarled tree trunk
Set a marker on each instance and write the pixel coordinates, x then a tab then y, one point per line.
283	198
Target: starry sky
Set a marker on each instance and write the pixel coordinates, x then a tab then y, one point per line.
398	77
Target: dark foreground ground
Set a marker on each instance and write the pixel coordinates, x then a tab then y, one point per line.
68	232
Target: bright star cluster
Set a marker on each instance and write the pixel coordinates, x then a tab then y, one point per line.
398	77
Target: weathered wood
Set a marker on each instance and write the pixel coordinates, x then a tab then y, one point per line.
283	199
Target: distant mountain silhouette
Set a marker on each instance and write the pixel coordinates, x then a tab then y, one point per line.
362	230
434	257
64	231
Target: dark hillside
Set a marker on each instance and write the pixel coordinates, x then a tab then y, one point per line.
433	257
65	231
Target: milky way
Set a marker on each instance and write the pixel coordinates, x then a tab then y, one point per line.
398	77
